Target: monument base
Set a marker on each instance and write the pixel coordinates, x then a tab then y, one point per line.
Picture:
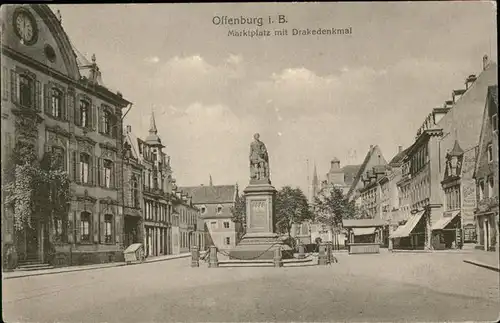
260	246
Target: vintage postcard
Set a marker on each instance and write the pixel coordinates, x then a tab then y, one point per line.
250	162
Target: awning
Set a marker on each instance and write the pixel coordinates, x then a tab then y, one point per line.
444	221
363	231
405	230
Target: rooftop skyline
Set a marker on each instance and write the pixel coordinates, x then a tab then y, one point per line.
310	97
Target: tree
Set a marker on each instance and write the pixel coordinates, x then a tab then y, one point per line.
331	207
37	190
238	211
291	207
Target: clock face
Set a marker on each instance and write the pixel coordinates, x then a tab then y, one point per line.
25	28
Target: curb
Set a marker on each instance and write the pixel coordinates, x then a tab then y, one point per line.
483	265
120	264
461	252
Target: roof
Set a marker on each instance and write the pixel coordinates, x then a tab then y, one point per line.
398	158
132	139
211	194
362	223
457	150
463	121
493	93
350	172
361	170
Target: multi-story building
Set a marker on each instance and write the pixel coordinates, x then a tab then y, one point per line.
132	190
429	178
215	203
373	158
54	100
340	177
190	234
486	176
157	184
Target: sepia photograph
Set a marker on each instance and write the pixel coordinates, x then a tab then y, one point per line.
250	162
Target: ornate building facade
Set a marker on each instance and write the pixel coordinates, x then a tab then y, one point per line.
155	175
486	176
215	203
78	121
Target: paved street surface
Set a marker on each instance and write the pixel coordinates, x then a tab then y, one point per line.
385	287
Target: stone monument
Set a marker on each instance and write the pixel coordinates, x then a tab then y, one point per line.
260	240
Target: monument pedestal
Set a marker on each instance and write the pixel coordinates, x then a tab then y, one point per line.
260	240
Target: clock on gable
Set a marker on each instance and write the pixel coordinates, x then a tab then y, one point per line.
25	26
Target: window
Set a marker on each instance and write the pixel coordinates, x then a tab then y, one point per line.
494	122
219	209
135	192
85	226
226	225
228	240
108	225
213	225
108	167
203	209
58	228
84	168
26	94
107	122
490	153
84	113
481	190
490	186
58	160
56	103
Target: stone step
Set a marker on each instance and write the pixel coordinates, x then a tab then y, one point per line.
32	267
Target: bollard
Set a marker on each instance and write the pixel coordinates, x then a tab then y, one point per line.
213	262
301	251
322	254
195	257
329	251
278	260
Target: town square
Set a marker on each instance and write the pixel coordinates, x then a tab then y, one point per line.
157	169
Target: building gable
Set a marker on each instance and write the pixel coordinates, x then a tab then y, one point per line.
49	46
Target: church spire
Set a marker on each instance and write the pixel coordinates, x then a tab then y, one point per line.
153	138
152	123
315	176
210	183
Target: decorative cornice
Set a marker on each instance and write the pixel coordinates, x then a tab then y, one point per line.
24	112
108	200
59	130
107	145
98	91
86	139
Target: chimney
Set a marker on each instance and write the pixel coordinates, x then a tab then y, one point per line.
400	149
334	164
469	80
485	61
129	128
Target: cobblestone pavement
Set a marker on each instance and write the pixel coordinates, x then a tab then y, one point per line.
384	287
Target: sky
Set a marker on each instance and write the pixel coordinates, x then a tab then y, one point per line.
311	98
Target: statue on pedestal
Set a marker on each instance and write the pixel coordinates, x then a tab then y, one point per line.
259	160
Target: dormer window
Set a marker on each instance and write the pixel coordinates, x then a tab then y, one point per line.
219	209
203	209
